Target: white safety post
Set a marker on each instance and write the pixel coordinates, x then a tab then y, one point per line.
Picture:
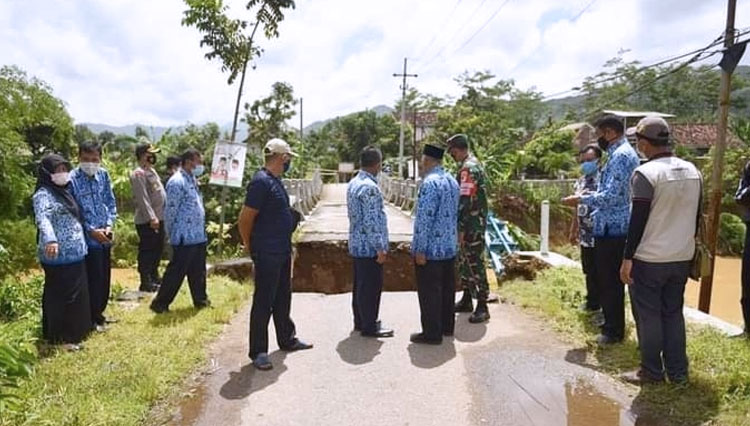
544	249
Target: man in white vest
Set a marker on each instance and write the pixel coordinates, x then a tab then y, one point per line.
660	246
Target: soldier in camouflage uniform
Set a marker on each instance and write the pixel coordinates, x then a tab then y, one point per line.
472	222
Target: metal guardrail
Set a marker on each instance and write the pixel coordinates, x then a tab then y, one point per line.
306	192
400	193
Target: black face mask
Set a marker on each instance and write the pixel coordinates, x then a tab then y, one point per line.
603	143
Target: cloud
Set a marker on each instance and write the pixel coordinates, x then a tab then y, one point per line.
121	62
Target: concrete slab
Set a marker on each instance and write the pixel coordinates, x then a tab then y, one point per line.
510	371
551	258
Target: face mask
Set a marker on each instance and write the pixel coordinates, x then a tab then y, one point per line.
589	168
60	179
198	170
603	143
287	166
151	159
90	168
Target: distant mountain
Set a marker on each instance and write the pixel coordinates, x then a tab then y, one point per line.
156	132
380	110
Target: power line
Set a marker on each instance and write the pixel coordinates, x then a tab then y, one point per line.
614	76
442	49
487	22
442	25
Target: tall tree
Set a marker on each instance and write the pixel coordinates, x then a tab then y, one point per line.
267	117
228	40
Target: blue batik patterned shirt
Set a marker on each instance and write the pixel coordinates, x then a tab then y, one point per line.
368	225
56	224
184	216
611	201
435	225
585	185
94	195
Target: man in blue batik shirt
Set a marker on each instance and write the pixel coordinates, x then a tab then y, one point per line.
434	247
611	210
368	243
185	223
92	189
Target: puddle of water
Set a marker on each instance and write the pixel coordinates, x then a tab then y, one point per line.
191	408
586	406
725	293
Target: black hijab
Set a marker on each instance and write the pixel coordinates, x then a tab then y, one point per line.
47	167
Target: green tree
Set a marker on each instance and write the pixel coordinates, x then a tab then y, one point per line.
82	133
227	39
267	117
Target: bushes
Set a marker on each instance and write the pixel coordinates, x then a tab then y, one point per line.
17	246
15	364
20	299
731	235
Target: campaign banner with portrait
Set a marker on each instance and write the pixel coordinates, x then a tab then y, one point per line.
228	164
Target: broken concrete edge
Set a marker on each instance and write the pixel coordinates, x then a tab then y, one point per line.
692	315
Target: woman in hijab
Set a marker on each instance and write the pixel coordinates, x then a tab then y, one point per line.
66	317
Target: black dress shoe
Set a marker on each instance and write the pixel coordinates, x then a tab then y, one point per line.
604	340
381	332
297	345
421	339
261	362
158	309
203	304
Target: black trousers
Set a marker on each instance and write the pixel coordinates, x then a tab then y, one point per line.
150	248
588	261
436	288
272	297
608	255
658	296
366	291
66	312
99	272
187	261
745	300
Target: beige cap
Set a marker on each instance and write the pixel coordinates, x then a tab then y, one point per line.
654	129
278	146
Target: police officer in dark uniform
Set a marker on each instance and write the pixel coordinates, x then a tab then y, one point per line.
266	224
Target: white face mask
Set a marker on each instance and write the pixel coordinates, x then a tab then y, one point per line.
90	168
60	179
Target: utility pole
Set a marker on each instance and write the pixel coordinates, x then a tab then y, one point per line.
301	129
414	145
403	120
714	208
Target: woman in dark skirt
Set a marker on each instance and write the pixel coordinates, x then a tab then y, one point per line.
66	315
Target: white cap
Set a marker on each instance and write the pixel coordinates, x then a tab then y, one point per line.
278	146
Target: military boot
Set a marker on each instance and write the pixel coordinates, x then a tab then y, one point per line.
481	314
465	304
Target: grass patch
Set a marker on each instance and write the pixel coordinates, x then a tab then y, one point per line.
123	373
719	388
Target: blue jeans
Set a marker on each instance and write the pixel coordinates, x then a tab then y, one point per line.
658	296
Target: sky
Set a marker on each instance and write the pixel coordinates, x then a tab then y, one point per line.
130	61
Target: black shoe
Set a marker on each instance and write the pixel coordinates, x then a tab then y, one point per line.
203	304
297	345
261	362
380	332
421	339
465	304
481	314
150	288
604	340
158	309
639	377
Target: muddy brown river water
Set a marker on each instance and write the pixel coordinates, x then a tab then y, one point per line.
725	295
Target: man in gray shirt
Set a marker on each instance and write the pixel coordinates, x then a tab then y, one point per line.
660	245
150	199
